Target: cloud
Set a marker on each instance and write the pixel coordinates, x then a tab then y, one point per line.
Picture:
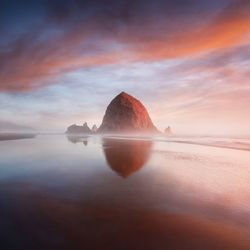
72	35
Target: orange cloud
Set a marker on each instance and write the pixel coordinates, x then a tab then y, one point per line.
231	27
28	62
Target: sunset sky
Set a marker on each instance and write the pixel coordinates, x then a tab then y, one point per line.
188	61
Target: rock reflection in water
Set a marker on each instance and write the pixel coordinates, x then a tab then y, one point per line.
126	156
76	139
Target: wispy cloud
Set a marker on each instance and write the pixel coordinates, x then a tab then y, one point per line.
76	35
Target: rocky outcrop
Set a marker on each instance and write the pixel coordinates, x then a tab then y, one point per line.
94	129
168	131
126	114
75	129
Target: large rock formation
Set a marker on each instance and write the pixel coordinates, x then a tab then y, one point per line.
125	114
74	129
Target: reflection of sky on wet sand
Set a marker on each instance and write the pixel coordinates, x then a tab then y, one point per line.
64	183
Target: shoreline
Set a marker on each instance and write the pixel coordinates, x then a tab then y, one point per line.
15	136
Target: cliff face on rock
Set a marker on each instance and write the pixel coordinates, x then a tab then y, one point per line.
126	114
74	129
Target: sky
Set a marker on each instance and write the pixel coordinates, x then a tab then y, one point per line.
187	61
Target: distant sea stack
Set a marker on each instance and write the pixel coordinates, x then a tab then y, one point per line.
126	114
94	128
168	131
74	129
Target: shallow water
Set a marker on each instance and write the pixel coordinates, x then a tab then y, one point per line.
59	192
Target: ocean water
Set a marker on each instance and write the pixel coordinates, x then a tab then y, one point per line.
93	192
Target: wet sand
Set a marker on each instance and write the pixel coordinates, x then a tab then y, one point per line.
77	225
101	193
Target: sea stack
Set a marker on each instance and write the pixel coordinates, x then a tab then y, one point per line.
126	114
74	129
168	131
94	129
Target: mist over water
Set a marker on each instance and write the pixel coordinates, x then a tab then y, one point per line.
59	191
